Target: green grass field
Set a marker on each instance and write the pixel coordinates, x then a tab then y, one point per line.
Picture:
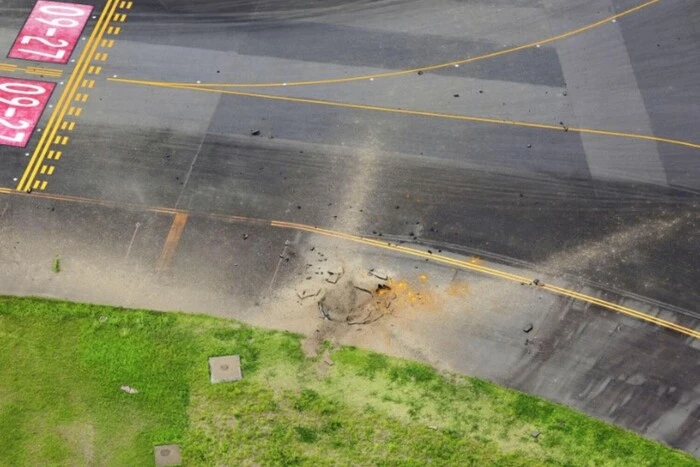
62	365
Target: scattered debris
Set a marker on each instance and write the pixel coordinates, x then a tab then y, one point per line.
333	279
527	329
535	434
432	427
323	310
308	293
379	275
536	282
334	275
362	289
129	389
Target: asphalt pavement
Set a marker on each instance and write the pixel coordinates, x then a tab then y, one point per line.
551	139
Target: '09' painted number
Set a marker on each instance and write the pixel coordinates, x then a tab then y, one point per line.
21	105
51	32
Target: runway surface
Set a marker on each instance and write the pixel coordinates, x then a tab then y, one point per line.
538	161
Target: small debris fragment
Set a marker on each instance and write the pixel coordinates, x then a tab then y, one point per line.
324	312
307	293
536	282
245	236
420	72
529	146
535	434
378	275
333	279
528	328
129	389
456	95
255	133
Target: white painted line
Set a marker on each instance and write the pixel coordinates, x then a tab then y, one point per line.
50	32
10	112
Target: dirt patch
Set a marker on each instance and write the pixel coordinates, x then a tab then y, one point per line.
80	436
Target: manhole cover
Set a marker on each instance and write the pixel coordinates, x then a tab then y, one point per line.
167	454
225	369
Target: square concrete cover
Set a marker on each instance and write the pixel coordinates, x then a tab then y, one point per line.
225	369
167	454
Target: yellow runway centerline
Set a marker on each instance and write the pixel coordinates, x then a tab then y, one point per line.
438	66
417	113
181	217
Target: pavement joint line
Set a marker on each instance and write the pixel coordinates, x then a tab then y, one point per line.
66	96
454	63
418	113
468	265
171	242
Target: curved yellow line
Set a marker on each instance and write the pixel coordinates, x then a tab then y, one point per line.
428	67
419	113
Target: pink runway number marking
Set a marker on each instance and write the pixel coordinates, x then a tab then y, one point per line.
21	103
51	32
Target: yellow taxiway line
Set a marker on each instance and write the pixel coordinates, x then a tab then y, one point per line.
430	67
418	113
181	217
